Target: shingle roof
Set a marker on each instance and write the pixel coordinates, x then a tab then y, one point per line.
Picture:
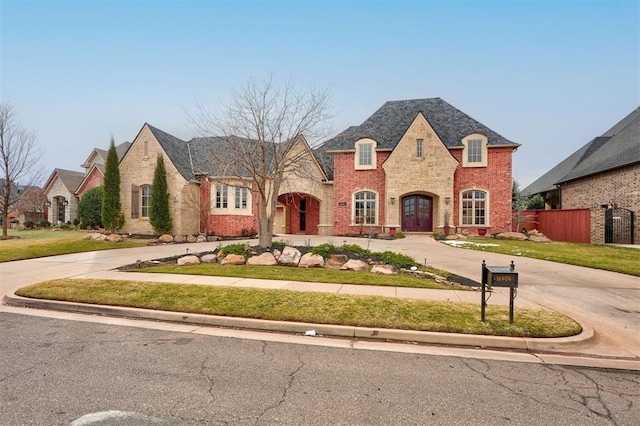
617	147
389	123
70	179
176	149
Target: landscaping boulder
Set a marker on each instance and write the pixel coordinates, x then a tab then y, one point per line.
209	258
265	259
191	239
114	238
188	260
201	239
354	265
310	260
100	237
213	238
179	239
511	236
383	269
233	259
290	256
166	238
276	253
92	236
336	261
539	238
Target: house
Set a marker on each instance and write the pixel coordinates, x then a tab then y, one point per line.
64	188
603	175
209	197
420	166
417	166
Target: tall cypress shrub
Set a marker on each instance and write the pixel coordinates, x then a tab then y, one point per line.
159	214
112	216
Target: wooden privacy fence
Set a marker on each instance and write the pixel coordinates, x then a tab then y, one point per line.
572	225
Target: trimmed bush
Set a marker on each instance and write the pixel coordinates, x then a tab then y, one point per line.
90	207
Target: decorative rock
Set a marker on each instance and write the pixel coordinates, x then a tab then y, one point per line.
166	238
534	232
179	239
290	256
92	236
101	237
201	238
188	260
191	239
511	236
114	238
336	261
212	238
276	253
354	265
265	259
539	238
209	258
310	260
383	269
233	259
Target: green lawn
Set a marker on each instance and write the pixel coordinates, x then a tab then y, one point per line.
47	242
599	256
319	308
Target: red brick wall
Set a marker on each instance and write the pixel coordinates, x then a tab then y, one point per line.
346	181
312	209
227	225
95	179
496	178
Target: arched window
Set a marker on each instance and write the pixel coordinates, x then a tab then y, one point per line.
146	200
475	207
365	157
365	208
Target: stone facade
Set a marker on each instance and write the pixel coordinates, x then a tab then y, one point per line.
56	192
137	168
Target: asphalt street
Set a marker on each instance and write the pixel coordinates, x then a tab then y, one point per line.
62	372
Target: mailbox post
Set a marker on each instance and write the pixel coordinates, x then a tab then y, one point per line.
499	276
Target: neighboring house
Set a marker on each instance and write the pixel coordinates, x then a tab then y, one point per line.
418	166
61	199
603	175
414	166
65	188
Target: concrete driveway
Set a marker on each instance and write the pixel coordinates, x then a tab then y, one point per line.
608	302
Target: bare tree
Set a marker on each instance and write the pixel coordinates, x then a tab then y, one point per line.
19	160
259	135
32	204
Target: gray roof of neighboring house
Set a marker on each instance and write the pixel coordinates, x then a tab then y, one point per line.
389	123
121	149
70	179
617	147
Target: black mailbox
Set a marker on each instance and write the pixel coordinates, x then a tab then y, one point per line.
501	276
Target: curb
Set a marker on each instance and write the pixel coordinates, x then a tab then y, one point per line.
554	345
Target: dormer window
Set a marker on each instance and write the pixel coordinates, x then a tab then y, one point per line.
365	157
475	150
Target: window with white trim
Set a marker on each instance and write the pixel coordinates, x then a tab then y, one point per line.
365	207
222	193
475	207
475	150
365	157
145	206
241	198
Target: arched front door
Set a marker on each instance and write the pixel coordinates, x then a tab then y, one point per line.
417	213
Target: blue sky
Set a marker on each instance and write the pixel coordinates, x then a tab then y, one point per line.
550	75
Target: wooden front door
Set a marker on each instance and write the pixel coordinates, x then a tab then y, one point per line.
417	213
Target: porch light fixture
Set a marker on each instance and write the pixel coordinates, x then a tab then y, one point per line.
65	203
393	200
447	199
48	203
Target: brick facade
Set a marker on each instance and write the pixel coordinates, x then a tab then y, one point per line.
620	188
95	179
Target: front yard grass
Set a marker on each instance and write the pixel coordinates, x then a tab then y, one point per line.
318	275
41	243
319	308
599	256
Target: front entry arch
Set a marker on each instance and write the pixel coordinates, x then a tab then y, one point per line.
417	213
